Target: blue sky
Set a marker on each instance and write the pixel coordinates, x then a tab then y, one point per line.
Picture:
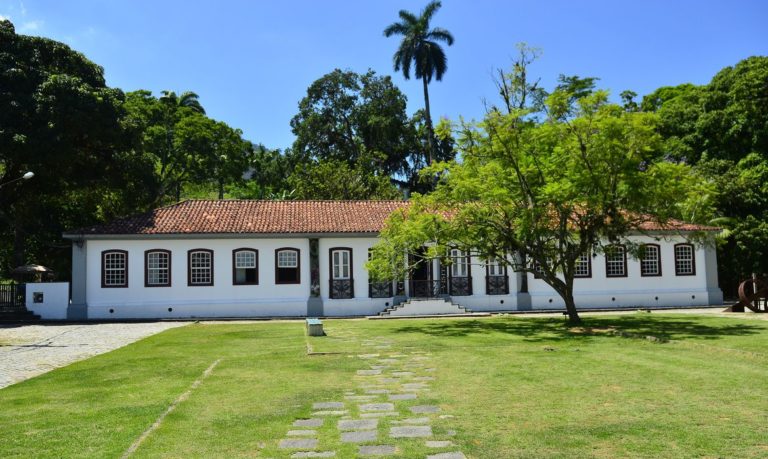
251	61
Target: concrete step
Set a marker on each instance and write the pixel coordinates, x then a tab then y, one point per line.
426	307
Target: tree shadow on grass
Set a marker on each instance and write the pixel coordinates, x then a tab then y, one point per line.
555	329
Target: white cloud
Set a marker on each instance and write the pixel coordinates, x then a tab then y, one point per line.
30	26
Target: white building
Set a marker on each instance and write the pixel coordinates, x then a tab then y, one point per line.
238	258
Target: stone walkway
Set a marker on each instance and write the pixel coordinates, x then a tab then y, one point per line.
382	415
30	350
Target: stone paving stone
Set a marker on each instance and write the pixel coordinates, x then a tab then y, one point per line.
450	432
397	356
424	378
377	391
388	380
298	443
439	444
410	431
359	436
447	416
377	450
429	369
327	405
424	409
360	398
368	372
456	455
380	414
415	386
368	356
314	454
330	413
302	433
402	396
358	424
401	374
377	407
420	358
412	421
387	361
308	422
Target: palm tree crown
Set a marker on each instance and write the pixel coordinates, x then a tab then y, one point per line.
187	99
419	45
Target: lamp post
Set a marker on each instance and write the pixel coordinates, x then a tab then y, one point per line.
26	176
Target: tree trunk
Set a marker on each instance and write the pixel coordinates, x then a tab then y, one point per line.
221	188
570	308
431	150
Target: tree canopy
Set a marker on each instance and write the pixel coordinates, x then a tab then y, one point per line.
573	184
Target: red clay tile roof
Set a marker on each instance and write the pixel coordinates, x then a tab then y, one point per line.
249	216
276	217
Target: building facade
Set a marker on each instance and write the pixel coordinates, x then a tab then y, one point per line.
238	258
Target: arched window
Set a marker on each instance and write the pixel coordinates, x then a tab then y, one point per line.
157	268
650	260
200	267
114	269
287	266
245	266
685	263
615	261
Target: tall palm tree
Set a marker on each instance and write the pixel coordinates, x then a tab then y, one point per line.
187	99
420	47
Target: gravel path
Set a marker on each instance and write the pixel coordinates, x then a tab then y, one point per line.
30	350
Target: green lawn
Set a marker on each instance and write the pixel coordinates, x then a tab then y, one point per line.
519	387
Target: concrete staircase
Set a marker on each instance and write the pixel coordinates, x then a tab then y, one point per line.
425	307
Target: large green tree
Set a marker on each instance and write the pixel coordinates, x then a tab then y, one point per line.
574	183
59	119
350	117
187	148
722	128
420	47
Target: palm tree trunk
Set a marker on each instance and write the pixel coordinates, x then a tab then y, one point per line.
430	131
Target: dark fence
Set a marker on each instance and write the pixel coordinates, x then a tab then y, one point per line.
497	285
12	295
380	289
428	288
342	288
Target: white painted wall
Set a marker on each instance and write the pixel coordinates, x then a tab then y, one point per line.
223	299
480	300
55	299
360	304
634	290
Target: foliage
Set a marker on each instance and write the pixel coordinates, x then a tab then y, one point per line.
350	117
724	119
550	191
336	180
420	47
184	145
267	177
60	120
721	127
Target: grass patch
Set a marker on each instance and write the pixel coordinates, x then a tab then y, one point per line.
519	387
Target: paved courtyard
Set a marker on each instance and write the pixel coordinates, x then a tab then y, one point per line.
30	350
